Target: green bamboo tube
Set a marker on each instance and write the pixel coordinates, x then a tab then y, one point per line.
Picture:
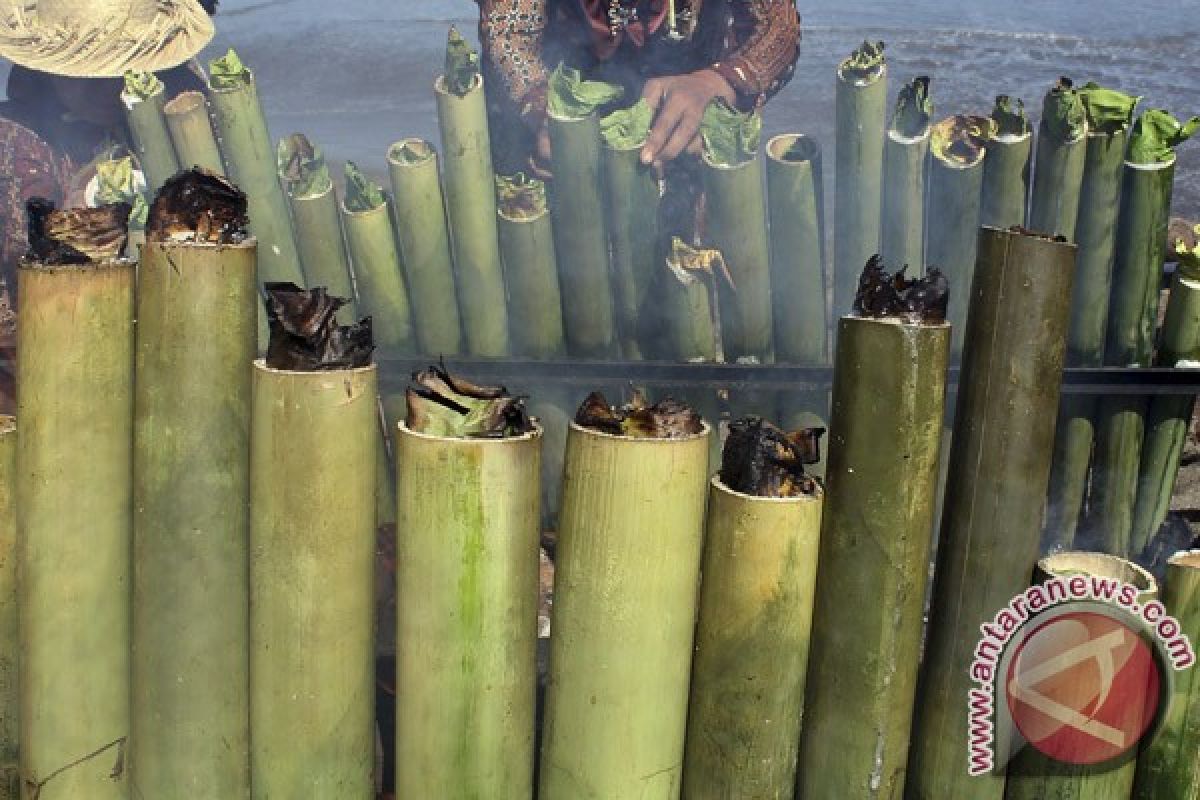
736	219
1169	416
860	129
468	527
756	605
471	212
1007	166
581	236
1096	233
192	133
151	139
691	332
531	273
10	778
1132	318
1035	776
888	405
628	565
1168	766
425	245
190	710
312	568
796	200
75	515
955	203
242	128
1059	164
376	260
632	196
905	167
999	467
305	178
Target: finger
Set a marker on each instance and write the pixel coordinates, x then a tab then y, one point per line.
660	133
681	137
654	91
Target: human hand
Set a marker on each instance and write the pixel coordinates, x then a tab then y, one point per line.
679	102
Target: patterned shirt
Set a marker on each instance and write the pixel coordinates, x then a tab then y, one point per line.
760	48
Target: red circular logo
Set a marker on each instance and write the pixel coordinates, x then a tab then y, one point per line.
1083	688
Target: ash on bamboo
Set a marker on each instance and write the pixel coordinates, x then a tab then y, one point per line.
62	237
440	404
761	460
305	336
198	206
639	419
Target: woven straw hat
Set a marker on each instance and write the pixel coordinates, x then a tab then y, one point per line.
102	38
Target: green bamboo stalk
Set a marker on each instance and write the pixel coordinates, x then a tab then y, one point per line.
471	211
144	97
425	245
468	526
628	561
10	777
905	167
1007	166
190	710
1033	775
889	400
312	568
1096	234
795	195
1059	162
861	117
305	178
1168	766
736	216
955	203
756	605
75	515
632	196
1132	318
192	133
372	242
246	144
691	304
999	467
1169	417
581	236
530	269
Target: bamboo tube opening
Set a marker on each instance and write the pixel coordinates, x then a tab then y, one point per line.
382	208
868	80
439	86
260	364
575	426
1013	138
474	441
240	86
793	148
560	118
1188	559
422	151
1157	166
184	103
741	165
92	266
899	138
1100	565
720	486
248	243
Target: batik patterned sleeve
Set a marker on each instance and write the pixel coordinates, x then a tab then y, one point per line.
511	33
766	43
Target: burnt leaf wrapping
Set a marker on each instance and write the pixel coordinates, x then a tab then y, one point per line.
197	205
305	336
441	404
666	419
760	459
883	294
76	235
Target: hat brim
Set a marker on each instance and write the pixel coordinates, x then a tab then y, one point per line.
176	35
